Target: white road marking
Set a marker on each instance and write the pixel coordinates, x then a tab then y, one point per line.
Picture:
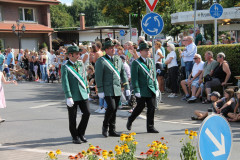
33	150
173	122
46	105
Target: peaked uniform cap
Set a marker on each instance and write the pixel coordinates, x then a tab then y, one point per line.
72	49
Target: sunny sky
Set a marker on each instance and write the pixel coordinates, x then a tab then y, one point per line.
67	2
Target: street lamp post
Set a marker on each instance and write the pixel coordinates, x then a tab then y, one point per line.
19	32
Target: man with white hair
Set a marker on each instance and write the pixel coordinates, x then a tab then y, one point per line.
188	53
193	79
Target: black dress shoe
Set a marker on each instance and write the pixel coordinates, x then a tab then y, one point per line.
113	134
76	141
104	131
83	139
129	125
152	130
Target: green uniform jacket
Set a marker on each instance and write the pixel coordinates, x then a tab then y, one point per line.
141	82
106	79
70	84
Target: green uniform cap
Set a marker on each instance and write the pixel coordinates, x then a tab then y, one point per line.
143	46
73	49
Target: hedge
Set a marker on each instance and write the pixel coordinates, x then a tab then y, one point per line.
232	52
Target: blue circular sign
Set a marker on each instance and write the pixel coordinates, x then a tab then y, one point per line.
152	24
215	138
122	32
216	10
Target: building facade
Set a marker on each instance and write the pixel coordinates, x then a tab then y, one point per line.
34	15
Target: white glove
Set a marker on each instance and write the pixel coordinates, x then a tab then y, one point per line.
70	102
128	93
87	95
157	93
101	95
138	95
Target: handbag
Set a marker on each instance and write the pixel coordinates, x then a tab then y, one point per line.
207	78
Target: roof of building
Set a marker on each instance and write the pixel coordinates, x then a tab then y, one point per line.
30	28
37	2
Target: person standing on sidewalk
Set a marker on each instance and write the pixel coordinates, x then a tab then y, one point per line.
109	75
74	84
145	88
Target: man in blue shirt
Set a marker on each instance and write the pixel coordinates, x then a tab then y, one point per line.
2	60
10	58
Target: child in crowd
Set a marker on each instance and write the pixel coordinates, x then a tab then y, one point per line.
6	72
201	114
226	104
18	73
235	116
53	73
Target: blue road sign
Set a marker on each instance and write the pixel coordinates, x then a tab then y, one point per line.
216	10
122	33
152	24
215	138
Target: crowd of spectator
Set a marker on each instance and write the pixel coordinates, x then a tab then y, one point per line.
192	75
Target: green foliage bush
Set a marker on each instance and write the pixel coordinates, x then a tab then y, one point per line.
232	52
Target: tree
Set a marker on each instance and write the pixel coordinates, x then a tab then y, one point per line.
60	17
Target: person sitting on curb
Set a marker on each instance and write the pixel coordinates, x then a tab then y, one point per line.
235	116
192	81
201	115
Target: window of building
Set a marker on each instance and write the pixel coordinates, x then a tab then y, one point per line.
26	14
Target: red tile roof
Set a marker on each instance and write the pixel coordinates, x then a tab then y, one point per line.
37	2
30	28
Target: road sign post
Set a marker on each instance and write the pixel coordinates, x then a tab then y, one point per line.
215	138
216	11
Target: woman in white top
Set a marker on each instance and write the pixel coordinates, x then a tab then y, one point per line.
85	55
171	62
159	66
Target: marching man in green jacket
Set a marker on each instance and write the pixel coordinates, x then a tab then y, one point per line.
145	87
76	91
109	73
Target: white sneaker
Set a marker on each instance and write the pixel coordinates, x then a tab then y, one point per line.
170	95
98	110
103	110
173	95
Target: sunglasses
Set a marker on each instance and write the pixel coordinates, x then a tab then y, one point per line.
195	58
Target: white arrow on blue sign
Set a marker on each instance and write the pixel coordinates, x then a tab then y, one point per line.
152	24
122	33
216	10
215	138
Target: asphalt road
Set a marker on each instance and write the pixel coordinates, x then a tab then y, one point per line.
37	122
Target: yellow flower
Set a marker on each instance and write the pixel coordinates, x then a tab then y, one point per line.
127	150
91	147
133	134
186	131
162	151
165	147
117	147
149	145
122	138
51	155
58	152
104	153
135	142
112	158
191	137
195	134
83	152
125	146
119	152
104	156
